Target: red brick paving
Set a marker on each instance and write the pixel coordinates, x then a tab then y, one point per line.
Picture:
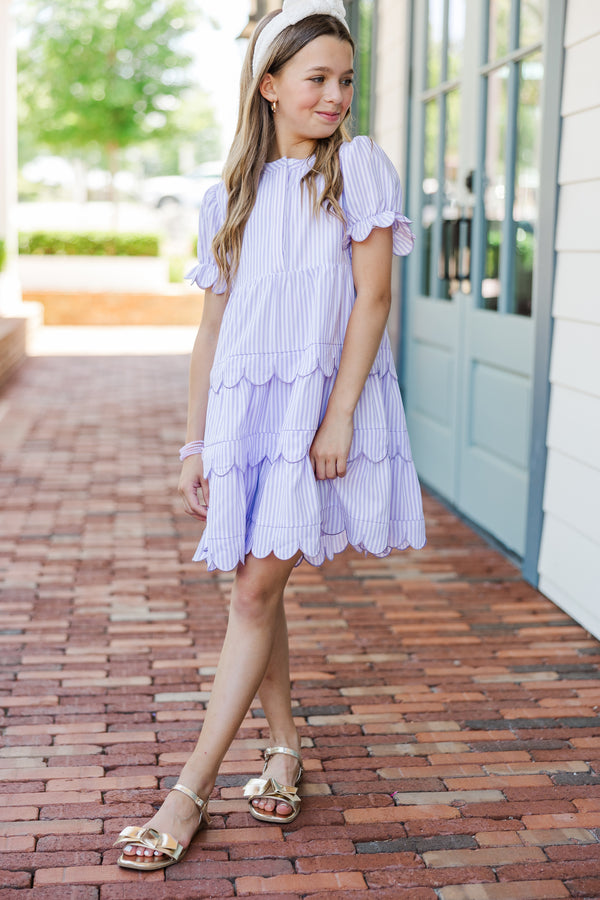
438	677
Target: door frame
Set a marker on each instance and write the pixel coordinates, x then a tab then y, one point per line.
544	266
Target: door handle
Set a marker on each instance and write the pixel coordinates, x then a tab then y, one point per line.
455	251
447	249
464	252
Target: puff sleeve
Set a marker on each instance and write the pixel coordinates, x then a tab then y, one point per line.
372	195
212	215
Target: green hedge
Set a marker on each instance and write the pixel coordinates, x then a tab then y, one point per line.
2	255
92	243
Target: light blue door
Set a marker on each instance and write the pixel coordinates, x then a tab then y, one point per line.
469	326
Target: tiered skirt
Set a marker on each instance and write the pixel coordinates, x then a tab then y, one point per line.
264	497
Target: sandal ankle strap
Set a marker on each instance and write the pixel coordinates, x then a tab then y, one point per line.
200	803
271	751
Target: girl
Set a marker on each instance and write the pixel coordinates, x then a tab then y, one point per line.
297	443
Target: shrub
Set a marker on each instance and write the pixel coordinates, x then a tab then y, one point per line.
176	269
2	255
93	243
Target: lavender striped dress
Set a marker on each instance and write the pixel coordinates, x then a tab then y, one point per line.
275	364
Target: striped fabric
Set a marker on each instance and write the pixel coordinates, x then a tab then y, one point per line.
274	368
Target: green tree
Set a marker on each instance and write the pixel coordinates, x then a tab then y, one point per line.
106	75
193	137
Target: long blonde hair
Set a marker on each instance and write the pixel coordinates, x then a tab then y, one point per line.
255	136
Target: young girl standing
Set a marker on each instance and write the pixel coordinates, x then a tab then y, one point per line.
297	442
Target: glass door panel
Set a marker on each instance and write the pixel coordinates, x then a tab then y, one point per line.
365	57
435	43
511	141
442	230
531	26
450	262
499	29
456	38
526	195
495	184
429	208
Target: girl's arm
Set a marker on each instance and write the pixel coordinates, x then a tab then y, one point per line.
372	272
193	486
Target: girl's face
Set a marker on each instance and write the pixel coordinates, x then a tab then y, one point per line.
313	93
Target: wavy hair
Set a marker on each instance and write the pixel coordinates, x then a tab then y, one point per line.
255	136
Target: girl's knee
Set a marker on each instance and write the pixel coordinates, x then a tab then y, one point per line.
253	602
259	585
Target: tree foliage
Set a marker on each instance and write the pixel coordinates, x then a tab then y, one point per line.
108	74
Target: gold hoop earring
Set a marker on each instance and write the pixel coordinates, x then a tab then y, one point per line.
274	106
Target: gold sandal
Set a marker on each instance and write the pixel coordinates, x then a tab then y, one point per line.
150	839
271	789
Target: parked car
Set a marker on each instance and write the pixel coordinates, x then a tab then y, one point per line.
184	190
72	175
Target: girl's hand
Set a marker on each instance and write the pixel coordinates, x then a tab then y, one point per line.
193	487
331	446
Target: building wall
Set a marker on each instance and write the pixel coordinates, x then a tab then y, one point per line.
391	91
569	564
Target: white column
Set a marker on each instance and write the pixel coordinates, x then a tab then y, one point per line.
10	289
390	100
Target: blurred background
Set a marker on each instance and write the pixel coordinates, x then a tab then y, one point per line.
125	109
123	115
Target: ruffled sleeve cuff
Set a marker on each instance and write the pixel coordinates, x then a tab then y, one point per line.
206	275
212	215
403	238
372	196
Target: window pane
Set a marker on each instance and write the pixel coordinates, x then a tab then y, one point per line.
451	151
365	48
430	191
499	33
456	38
495	190
531	29
525	210
448	270
434	42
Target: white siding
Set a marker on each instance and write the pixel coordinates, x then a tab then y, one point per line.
582	21
580	159
569	564
576	291
574	426
578	219
582	74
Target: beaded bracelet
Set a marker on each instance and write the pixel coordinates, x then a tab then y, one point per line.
191	449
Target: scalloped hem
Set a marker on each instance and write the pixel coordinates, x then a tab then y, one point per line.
288	365
402	536
249	423
232	457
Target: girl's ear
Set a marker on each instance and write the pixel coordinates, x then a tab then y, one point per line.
267	88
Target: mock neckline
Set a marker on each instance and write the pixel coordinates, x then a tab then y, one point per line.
289	162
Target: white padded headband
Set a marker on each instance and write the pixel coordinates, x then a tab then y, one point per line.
293	11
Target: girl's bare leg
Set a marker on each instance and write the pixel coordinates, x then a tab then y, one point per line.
254	620
276	701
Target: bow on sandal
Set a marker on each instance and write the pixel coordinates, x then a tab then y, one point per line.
150	839
271	789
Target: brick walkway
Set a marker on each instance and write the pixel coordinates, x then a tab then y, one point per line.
437	676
